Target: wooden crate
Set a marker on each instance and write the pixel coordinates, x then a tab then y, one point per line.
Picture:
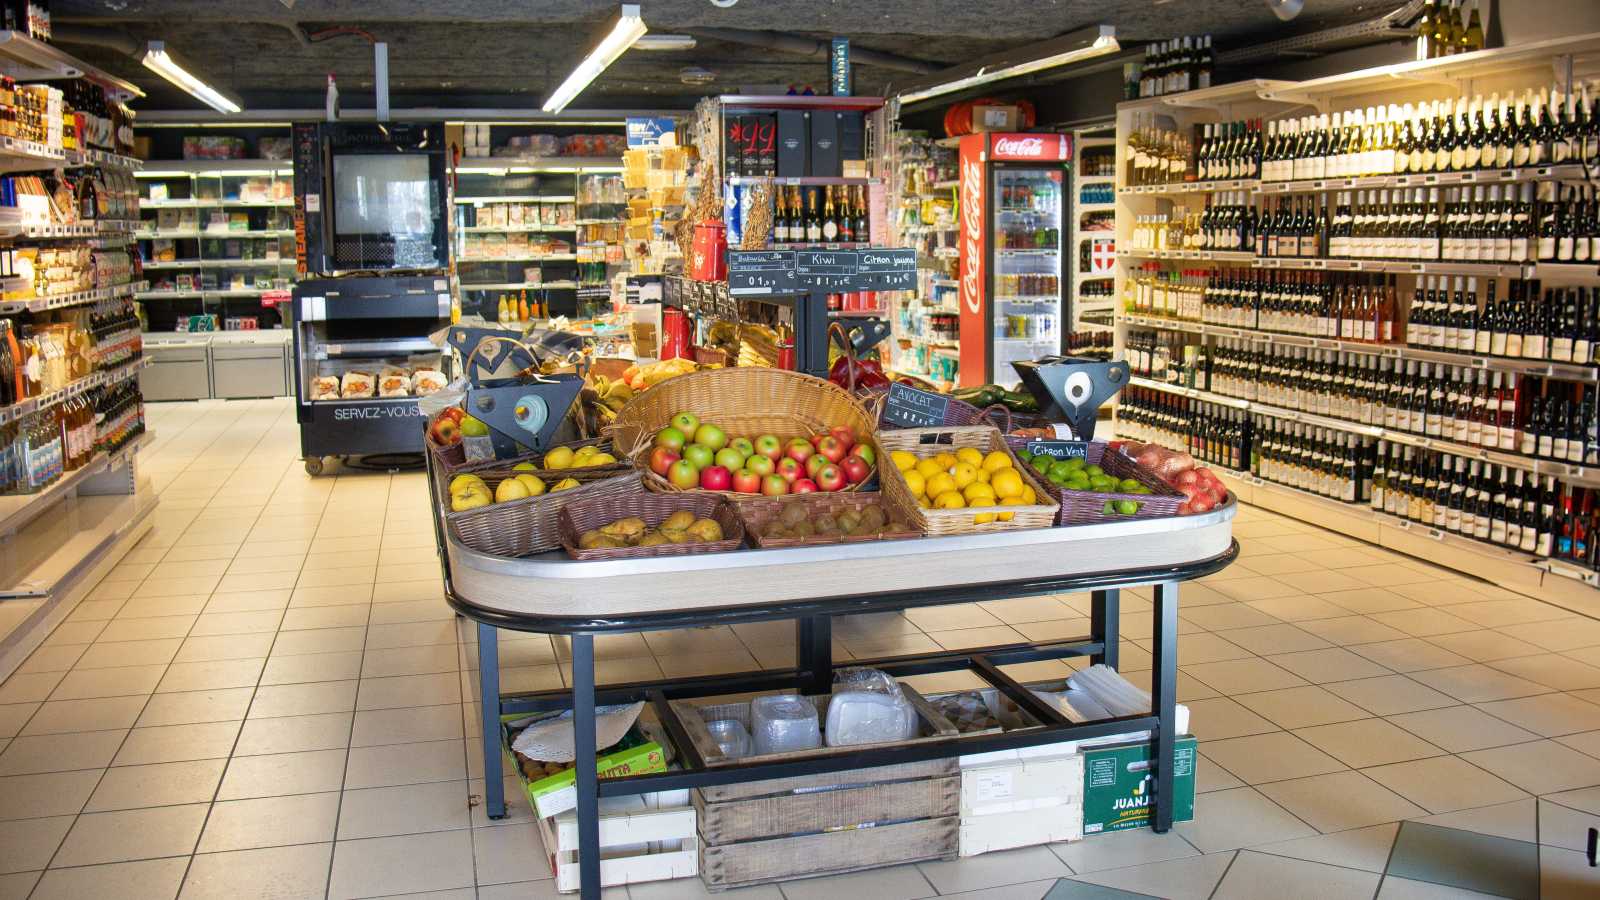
802	827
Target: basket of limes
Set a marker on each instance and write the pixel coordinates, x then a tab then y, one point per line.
1105	487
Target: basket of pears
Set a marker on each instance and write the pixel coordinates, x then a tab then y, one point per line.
643	525
510	510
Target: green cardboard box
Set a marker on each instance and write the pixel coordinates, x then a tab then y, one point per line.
558	793
1116	786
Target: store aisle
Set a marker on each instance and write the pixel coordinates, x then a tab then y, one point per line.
268	698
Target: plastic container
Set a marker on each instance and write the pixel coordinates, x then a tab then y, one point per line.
869	717
784	723
731	737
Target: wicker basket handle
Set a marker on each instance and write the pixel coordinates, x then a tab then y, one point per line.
985	416
466	364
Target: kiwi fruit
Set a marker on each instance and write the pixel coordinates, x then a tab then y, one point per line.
678	521
833	532
805	529
772	528
848	522
792	514
862	529
824	522
873	515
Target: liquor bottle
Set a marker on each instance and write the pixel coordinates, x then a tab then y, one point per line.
830	221
1472	38
863	223
813	218
846	218
1425	29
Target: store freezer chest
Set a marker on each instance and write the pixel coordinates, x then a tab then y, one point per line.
177	371
766	831
1116	786
250	370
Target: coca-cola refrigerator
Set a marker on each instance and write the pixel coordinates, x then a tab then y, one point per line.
1012	208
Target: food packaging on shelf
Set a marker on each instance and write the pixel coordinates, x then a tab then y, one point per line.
731	737
870	710
784	723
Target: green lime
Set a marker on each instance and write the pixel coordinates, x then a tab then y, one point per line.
1107	509
1041	464
1077	483
1129	486
1024	455
1060	468
1077	462
1128	507
1101	482
1141	489
1094	470
1057	478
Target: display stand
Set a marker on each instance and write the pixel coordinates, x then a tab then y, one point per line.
551	594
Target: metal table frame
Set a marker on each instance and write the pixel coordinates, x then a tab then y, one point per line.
813	674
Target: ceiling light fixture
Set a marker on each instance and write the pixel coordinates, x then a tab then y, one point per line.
1085	43
696	75
665	42
627	29
1286	9
158	60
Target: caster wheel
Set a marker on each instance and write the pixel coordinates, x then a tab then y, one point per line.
313	465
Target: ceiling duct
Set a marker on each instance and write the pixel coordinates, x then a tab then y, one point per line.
804	46
68	33
1396	26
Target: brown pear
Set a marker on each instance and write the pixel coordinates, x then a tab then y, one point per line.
708	529
678	521
624	528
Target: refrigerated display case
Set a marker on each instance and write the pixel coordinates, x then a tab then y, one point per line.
1013	205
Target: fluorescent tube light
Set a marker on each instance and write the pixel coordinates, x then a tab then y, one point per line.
1086	43
157	60
628	28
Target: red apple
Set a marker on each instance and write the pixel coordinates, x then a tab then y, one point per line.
686	423
865	452
716	478
790	470
761	465
845	434
799	450
746	482
803	486
671	438
774	486
684	475
855	469
744	446
769	446
453	413
816	439
830	447
661	459
730	458
711	436
816	462
446	431
700	455
830	478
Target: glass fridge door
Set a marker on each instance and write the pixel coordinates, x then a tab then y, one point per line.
1027	206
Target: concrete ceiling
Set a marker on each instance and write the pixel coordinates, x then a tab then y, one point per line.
506	53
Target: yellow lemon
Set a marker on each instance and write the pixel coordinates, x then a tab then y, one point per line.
903	461
941	483
1007	483
925	503
930	467
559	458
964	473
534	483
947	461
600	459
969	455
984	476
582	452
915	481
996	461
565	484
1008	501
983	518
949	500
1029	496
979	494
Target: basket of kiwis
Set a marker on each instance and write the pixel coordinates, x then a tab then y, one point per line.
630	526
828	517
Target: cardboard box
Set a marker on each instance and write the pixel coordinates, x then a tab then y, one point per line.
852	136
1041	823
995	118
794	142
854	168
643	837
1116	780
824	144
558	793
1020	803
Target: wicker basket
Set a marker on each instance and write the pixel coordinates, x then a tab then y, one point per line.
939	522
450	456
1088	507
959	412
757	513
743	402
528	526
577	518
453	460
711	356
483	466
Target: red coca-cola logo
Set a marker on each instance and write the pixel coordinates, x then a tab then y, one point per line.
1029	146
972	234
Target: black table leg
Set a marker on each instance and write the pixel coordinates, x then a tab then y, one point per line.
813	651
1105	623
584	762
494	786
1164	699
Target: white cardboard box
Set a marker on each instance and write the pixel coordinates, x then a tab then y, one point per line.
648	837
1041	824
1020	802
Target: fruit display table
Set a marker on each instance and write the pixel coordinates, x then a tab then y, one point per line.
552	594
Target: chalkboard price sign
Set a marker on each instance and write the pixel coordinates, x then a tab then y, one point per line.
672	292
911	408
1060	449
761	272
886	270
826	270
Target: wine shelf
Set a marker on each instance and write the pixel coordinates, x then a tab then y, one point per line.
1568	172
1393	266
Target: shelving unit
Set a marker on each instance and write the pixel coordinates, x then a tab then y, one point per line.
1091	245
1504	69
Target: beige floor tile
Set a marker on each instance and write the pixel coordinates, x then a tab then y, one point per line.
154	607
1219	718
1135	847
14	716
65	716
132	834
1367	742
1557	634
158	784
211	648
294	873
714	662
1193	878
1423	622
400	764
1539	767
411	690
192	707
990	870
270	822
33	755
404	809
28	844
48	794
1478	683
247	601
30	687
322	640
1445	784
310	667
1485	645
175	743
1224	616
253	622
1460	729
1553	671
1243	676
312	617
1366	849
1390	694
172	587
412	634
147	628
1276	756
211	675
1497	613
896	883
1409	655
1548	715
408	864
280	774
1369	600
444	658
118	681
890	645
294	734
1255	875
308	699
151	879
1025	609
18	885
1264	640
1324	666
1301	707
402	726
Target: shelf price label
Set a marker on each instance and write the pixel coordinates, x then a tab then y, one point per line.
761	272
908	407
886	270
1060	449
826	270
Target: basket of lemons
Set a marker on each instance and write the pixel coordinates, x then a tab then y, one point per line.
961	480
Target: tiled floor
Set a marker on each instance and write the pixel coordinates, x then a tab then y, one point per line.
267	698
